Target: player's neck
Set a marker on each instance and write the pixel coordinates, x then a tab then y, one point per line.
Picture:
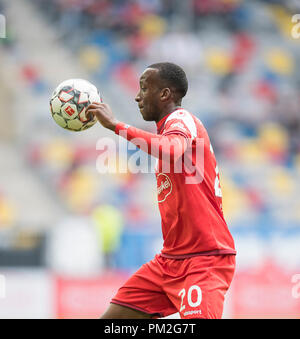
167	110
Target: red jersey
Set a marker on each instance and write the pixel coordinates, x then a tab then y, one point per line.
190	203
192	216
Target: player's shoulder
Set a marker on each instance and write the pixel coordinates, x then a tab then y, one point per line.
181	118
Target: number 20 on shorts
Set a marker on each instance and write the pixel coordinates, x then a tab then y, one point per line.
192	303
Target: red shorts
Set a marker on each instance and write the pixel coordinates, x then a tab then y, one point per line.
195	287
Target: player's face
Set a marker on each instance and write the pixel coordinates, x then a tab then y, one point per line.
148	97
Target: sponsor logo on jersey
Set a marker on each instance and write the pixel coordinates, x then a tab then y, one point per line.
164	187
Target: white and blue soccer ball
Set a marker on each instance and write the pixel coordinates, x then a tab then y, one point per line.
69	101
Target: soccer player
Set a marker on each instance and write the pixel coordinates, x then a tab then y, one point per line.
196	265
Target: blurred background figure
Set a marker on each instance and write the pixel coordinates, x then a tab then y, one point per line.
241	61
109	226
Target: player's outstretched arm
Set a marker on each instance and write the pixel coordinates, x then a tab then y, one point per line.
172	145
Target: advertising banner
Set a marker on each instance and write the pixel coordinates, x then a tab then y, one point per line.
86	298
266	291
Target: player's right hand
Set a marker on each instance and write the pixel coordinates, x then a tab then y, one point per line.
104	115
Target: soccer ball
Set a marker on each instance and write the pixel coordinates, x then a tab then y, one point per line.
69	101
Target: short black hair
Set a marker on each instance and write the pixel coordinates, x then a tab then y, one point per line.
173	76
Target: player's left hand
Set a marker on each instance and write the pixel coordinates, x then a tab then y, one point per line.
104	115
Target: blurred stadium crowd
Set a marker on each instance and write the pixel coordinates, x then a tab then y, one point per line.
241	62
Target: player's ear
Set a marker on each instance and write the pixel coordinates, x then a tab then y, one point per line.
165	94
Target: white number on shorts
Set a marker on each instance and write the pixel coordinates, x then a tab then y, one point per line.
182	293
192	303
199	296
